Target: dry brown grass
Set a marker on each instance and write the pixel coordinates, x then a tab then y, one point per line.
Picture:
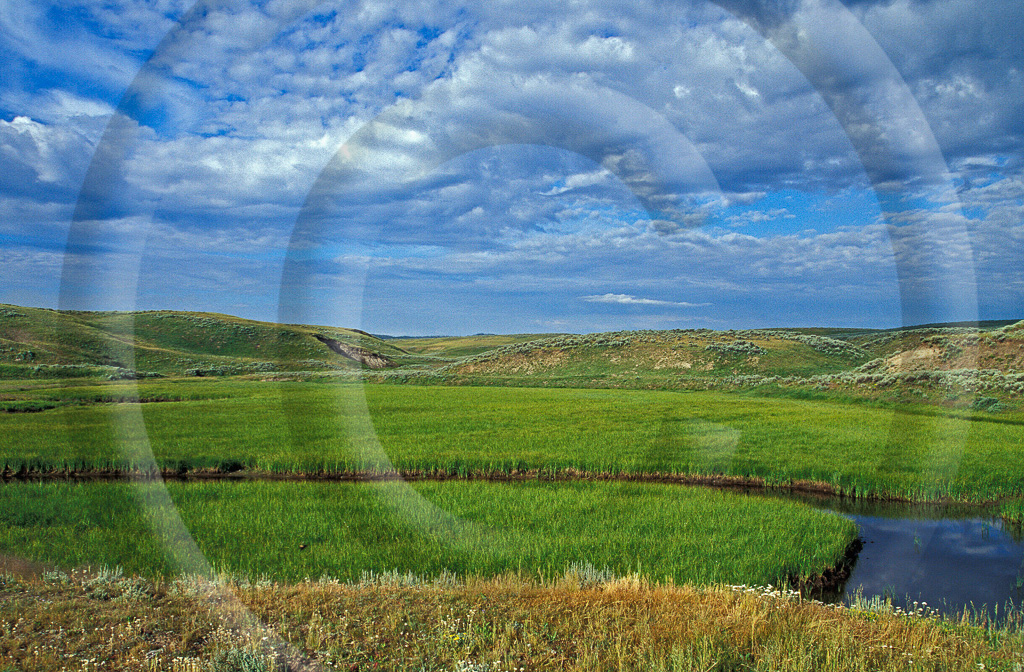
505	623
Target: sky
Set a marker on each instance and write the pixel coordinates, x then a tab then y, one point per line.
420	168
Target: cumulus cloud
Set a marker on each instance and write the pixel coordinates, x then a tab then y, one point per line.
630	300
528	147
758	216
44	162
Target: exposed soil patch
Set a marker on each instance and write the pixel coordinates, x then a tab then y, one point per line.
519	363
923	357
22	567
370	360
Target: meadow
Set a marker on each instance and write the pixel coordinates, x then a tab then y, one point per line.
338	428
281	464
292	531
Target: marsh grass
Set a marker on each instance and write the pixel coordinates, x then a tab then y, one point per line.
288	531
1013	511
305	429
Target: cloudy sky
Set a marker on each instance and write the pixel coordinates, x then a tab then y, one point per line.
441	168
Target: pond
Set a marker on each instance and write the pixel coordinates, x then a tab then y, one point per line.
949	557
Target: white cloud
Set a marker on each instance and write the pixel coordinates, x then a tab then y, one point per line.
748	90
580	181
758	216
668	116
44	161
630	300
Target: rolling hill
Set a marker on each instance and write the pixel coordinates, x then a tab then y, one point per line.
50	343
45	343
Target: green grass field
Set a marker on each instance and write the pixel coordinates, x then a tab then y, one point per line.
276	401
315	428
289	531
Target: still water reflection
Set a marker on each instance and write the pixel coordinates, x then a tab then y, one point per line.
950	557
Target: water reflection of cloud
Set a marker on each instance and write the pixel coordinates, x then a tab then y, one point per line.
959	561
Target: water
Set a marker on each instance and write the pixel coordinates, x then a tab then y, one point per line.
949	557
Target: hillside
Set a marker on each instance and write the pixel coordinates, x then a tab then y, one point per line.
455	347
960	367
948	348
698	352
42	342
948	364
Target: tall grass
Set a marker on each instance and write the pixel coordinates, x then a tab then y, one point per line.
313	428
1013	511
289	531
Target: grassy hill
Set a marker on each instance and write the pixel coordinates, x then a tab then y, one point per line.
41	342
948	348
456	347
698	352
954	366
703	353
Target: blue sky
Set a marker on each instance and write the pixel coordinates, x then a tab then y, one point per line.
441	168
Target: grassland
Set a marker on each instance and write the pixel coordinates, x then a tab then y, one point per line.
920	414
92	621
290	531
918	453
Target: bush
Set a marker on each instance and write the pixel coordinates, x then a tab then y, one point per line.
736	348
990	404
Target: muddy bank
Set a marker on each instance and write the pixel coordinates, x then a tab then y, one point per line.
239	472
829	583
236	471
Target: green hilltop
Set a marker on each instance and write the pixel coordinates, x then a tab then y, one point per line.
41	342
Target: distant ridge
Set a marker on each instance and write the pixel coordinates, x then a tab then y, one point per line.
46	343
979	324
391	337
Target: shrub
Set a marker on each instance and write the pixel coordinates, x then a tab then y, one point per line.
990	404
736	348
